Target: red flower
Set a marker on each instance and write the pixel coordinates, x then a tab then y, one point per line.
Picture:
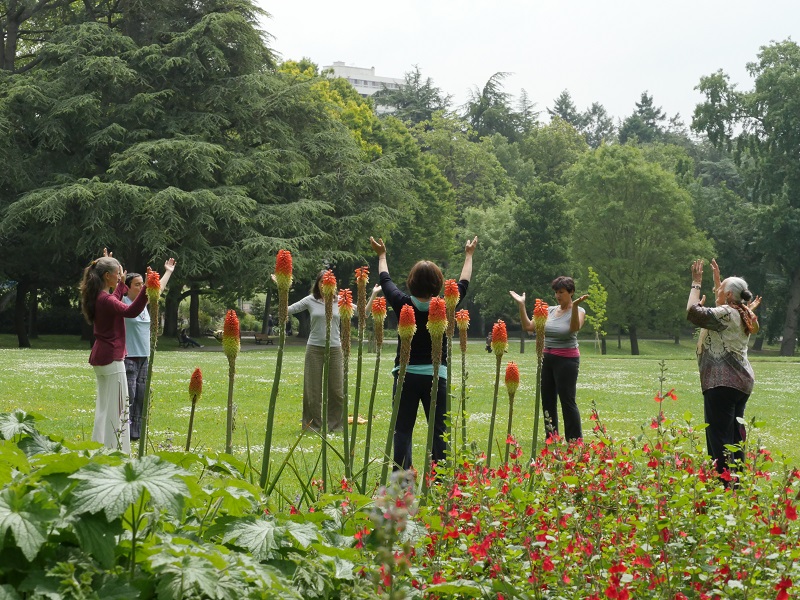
283	269
512	378
451	295
362	275
196	385
784	584
345	304
791	511
328	284
462	319
540	312
499	338
230	335
407	325
153	285
437	317
378	316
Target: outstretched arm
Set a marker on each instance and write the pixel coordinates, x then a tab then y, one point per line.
527	324
380	249
372	296
469	250
577	317
697	280
169	267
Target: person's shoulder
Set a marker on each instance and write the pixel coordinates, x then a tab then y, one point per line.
581	310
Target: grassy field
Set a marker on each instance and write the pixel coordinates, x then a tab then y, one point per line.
58	385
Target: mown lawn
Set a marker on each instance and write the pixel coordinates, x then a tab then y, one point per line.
58	385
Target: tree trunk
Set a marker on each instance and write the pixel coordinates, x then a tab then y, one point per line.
603	349
304	328
171	304
619	339
790	323
522	341
194	312
677	340
21	314
33	312
267	310
758	345
10	45
634	340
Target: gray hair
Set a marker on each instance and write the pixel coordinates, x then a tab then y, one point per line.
738	289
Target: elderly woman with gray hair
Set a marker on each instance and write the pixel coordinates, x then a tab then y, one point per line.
726	376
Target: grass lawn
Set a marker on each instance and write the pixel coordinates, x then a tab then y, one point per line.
58	384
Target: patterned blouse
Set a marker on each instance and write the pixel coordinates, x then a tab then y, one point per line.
722	348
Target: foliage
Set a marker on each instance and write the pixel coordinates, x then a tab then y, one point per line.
596	303
416	100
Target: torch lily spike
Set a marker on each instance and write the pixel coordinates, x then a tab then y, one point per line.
195	391
512	383
462	320
437	325
345	315
499	345
230	345
153	291
378	316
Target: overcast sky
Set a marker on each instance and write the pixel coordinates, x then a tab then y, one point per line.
600	50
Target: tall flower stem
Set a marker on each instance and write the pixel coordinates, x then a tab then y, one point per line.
368	437
362	278
462	320
537	406
229	420
508	431
451	298
499	345
437	327
195	391
540	314
345	314
512	383
191	425
283	279
387	451
231	343
327	286
153	291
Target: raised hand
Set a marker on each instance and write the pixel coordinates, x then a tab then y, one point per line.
169	265
715	271
754	304
377	245
579	299
697	271
470	246
517	298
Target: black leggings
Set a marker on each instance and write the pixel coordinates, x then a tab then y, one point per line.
722	406
416	389
559	380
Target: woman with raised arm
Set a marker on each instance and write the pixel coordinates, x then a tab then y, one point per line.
424	281
137	344
562	358
102	289
726	376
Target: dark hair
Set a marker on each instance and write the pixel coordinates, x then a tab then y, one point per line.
130	277
563	283
315	291
93	281
425	279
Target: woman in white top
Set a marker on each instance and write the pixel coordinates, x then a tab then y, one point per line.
726	376
137	344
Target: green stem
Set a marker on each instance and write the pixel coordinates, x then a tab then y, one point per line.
368	437
494	412
464	402
448	399
537	405
146	405
191	423
510	419
345	412
325	386
357	399
387	451
229	424
273	399
431	426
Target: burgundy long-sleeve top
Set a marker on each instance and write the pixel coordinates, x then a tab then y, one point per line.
109	324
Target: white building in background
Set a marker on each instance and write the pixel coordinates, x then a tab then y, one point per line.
364	80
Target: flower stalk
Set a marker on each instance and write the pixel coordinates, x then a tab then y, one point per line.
512	383
499	346
283	279
345	303
195	391
231	344
378	317
451	298
327	286
406	328
153	290
362	278
437	326
462	320
540	313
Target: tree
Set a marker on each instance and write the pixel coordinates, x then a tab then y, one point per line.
761	124
597	303
635	227
416	100
597	125
646	122
564	108
489	111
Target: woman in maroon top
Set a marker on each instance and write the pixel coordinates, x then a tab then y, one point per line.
106	312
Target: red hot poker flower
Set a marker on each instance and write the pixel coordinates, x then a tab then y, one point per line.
378	316
328	284
345	304
540	311
362	275
283	269
407	325
499	338
362	278
196	385
437	317
230	335
451	295
462	320
512	378
153	285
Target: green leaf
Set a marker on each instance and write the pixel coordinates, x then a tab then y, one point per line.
37	443
461	586
7	593
261	538
11	458
305	533
58	464
114	488
16	423
97	538
189	576
19	515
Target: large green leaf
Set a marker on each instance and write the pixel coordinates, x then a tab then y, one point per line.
114	488
18	514
11	459
189	576
16	423
261	537
97	537
7	593
37	443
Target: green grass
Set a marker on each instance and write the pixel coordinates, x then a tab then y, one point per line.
59	386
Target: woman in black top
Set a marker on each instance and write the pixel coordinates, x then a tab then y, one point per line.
425	280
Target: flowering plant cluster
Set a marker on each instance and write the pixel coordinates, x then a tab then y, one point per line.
451	298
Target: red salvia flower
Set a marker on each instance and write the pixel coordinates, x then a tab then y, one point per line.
512	378
230	336
407	325
378	316
196	385
283	269
784	584
437	317
499	338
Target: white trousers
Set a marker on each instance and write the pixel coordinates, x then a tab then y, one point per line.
111	421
